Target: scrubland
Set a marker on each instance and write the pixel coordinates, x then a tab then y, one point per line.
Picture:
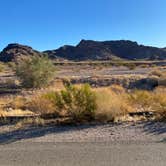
61	101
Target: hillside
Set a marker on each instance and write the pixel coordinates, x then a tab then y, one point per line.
90	50
14	50
107	50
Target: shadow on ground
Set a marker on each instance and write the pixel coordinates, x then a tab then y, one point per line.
34	132
156	128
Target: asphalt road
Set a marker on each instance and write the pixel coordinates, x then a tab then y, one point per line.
83	154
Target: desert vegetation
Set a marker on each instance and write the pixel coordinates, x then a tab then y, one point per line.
34	71
2	67
81	102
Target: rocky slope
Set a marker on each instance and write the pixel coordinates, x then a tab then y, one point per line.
12	51
90	50
107	50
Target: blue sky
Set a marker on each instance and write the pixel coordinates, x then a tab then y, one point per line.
48	24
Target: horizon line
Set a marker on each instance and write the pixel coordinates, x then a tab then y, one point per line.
76	43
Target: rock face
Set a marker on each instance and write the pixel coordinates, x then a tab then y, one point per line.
12	51
90	50
108	50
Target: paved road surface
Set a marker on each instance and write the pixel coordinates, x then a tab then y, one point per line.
83	154
128	144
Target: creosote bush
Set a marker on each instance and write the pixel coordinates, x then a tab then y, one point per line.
34	71
79	103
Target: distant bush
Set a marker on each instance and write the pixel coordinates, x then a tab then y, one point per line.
34	71
2	67
161	76
131	66
157	73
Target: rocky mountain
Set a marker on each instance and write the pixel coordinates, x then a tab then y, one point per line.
90	50
107	50
12	51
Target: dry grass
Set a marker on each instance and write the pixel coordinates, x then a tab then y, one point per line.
17	112
14	107
39	104
30	122
2	67
161	74
18	102
117	89
111	105
150	101
156	72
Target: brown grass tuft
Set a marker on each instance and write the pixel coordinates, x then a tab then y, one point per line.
111	105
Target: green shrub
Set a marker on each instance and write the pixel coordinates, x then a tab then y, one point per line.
78	103
34	71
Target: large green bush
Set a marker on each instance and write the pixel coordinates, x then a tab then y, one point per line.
34	71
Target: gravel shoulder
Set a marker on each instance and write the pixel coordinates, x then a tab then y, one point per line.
140	131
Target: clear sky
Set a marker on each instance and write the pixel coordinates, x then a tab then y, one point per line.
48	24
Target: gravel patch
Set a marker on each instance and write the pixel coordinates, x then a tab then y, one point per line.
141	132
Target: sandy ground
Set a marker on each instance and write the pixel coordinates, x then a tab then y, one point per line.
89	71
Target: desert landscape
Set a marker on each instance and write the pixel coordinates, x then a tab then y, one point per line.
114	104
82	83
98	92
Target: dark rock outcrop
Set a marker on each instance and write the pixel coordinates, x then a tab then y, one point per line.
90	50
15	50
108	50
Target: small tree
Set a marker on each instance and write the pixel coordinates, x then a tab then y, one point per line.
34	71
